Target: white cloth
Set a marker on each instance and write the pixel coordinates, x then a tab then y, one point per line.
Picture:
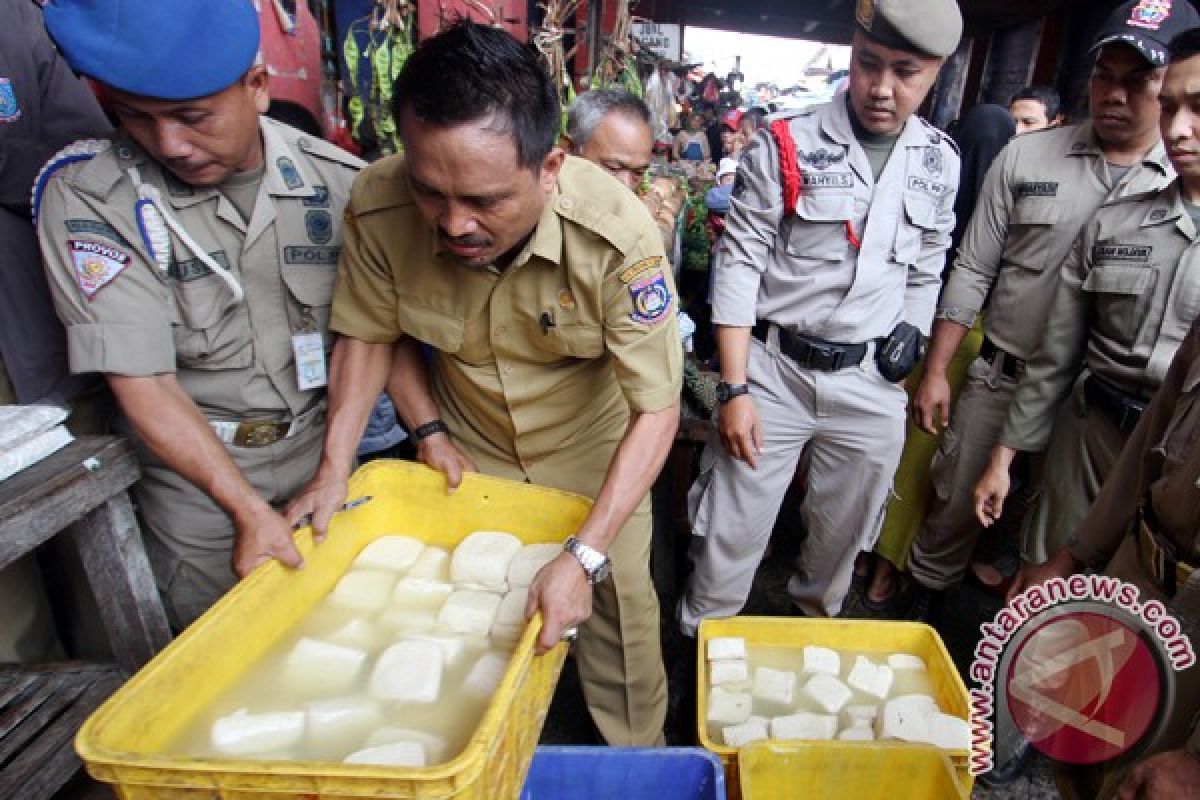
19	424
33	450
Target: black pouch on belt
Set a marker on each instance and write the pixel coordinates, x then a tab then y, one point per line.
898	354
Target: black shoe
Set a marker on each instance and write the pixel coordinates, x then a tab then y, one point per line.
679	659
1010	771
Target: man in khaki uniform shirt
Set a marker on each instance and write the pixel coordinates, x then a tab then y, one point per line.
186	256
804	301
1038	194
539	282
1130	289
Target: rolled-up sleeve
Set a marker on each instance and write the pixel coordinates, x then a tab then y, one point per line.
364	295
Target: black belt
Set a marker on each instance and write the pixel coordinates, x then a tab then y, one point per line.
813	353
1158	556
1124	410
1010	365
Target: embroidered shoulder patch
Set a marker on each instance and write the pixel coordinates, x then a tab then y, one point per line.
651	299
96	264
10	111
637	268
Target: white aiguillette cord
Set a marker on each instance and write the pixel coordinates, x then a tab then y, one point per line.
152	216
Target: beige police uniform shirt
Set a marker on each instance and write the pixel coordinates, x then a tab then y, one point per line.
803	272
1129	292
1037	195
125	315
536	363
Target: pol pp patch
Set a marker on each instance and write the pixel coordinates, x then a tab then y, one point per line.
651	299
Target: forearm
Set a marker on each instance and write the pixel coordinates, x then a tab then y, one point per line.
733	348
171	425
635	466
357	374
408	385
947	338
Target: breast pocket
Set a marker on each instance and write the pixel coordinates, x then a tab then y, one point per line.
581	340
818	229
1121	297
920	219
1030	228
214	330
435	328
311	288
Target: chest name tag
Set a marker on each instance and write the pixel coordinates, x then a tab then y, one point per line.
828	180
1123	252
309	350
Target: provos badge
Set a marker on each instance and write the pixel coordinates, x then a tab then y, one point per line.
9	110
933	161
822	159
95	264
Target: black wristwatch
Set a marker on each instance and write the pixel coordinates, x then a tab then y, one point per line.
728	391
429	429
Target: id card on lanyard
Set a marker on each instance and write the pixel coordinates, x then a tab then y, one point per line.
308	346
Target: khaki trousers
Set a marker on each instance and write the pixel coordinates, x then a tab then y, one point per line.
852	422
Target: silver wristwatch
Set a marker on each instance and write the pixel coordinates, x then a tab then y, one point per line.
595	564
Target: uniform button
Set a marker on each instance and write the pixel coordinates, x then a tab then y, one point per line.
303	141
499	330
124	151
508	370
566	203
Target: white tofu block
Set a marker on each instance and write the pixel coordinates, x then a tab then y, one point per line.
774	685
860	714
728	708
342	718
827	692
397	754
406	623
871	678
726	647
420	593
433	564
363	590
724	671
242	733
528	560
821	659
905	661
482	559
512	607
452	646
485	677
435	746
321	667
408	672
949	732
907	717
857	733
506	636
395	553
356	633
752	730
804	726
469	612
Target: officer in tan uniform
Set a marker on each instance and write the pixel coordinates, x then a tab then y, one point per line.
192	258
824	281
539	282
1129	291
1038	194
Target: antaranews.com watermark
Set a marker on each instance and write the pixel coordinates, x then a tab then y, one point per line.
1044	700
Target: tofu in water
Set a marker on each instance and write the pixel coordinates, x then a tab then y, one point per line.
363	590
871	678
907	717
725	671
395	553
905	661
397	754
949	732
861	714
482	559
804	725
408	672
728	708
827	692
342	718
433	564
242	733
752	730
857	733
528	560
774	685
487	674
435	746
313	666
469	612
420	594
407	623
821	660
721	647
357	633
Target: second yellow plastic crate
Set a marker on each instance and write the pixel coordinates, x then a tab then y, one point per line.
856	635
123	743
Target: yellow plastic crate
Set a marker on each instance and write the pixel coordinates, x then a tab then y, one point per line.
863	771
123	742
866	636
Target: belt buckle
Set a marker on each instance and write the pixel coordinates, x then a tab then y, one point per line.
258	434
829	357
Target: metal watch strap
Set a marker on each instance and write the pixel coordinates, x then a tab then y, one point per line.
429	429
591	559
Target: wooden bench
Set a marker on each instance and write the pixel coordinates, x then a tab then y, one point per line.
41	708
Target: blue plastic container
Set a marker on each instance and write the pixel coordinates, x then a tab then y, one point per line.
624	773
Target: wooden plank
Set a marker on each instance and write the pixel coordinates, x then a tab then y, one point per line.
24	722
49	761
13	685
119	572
37	503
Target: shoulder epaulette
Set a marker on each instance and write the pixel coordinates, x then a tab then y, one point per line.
82	150
939	136
330	152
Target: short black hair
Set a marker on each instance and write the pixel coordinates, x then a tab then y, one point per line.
1048	97
1184	46
469	72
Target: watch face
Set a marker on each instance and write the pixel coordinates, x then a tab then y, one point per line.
722	392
